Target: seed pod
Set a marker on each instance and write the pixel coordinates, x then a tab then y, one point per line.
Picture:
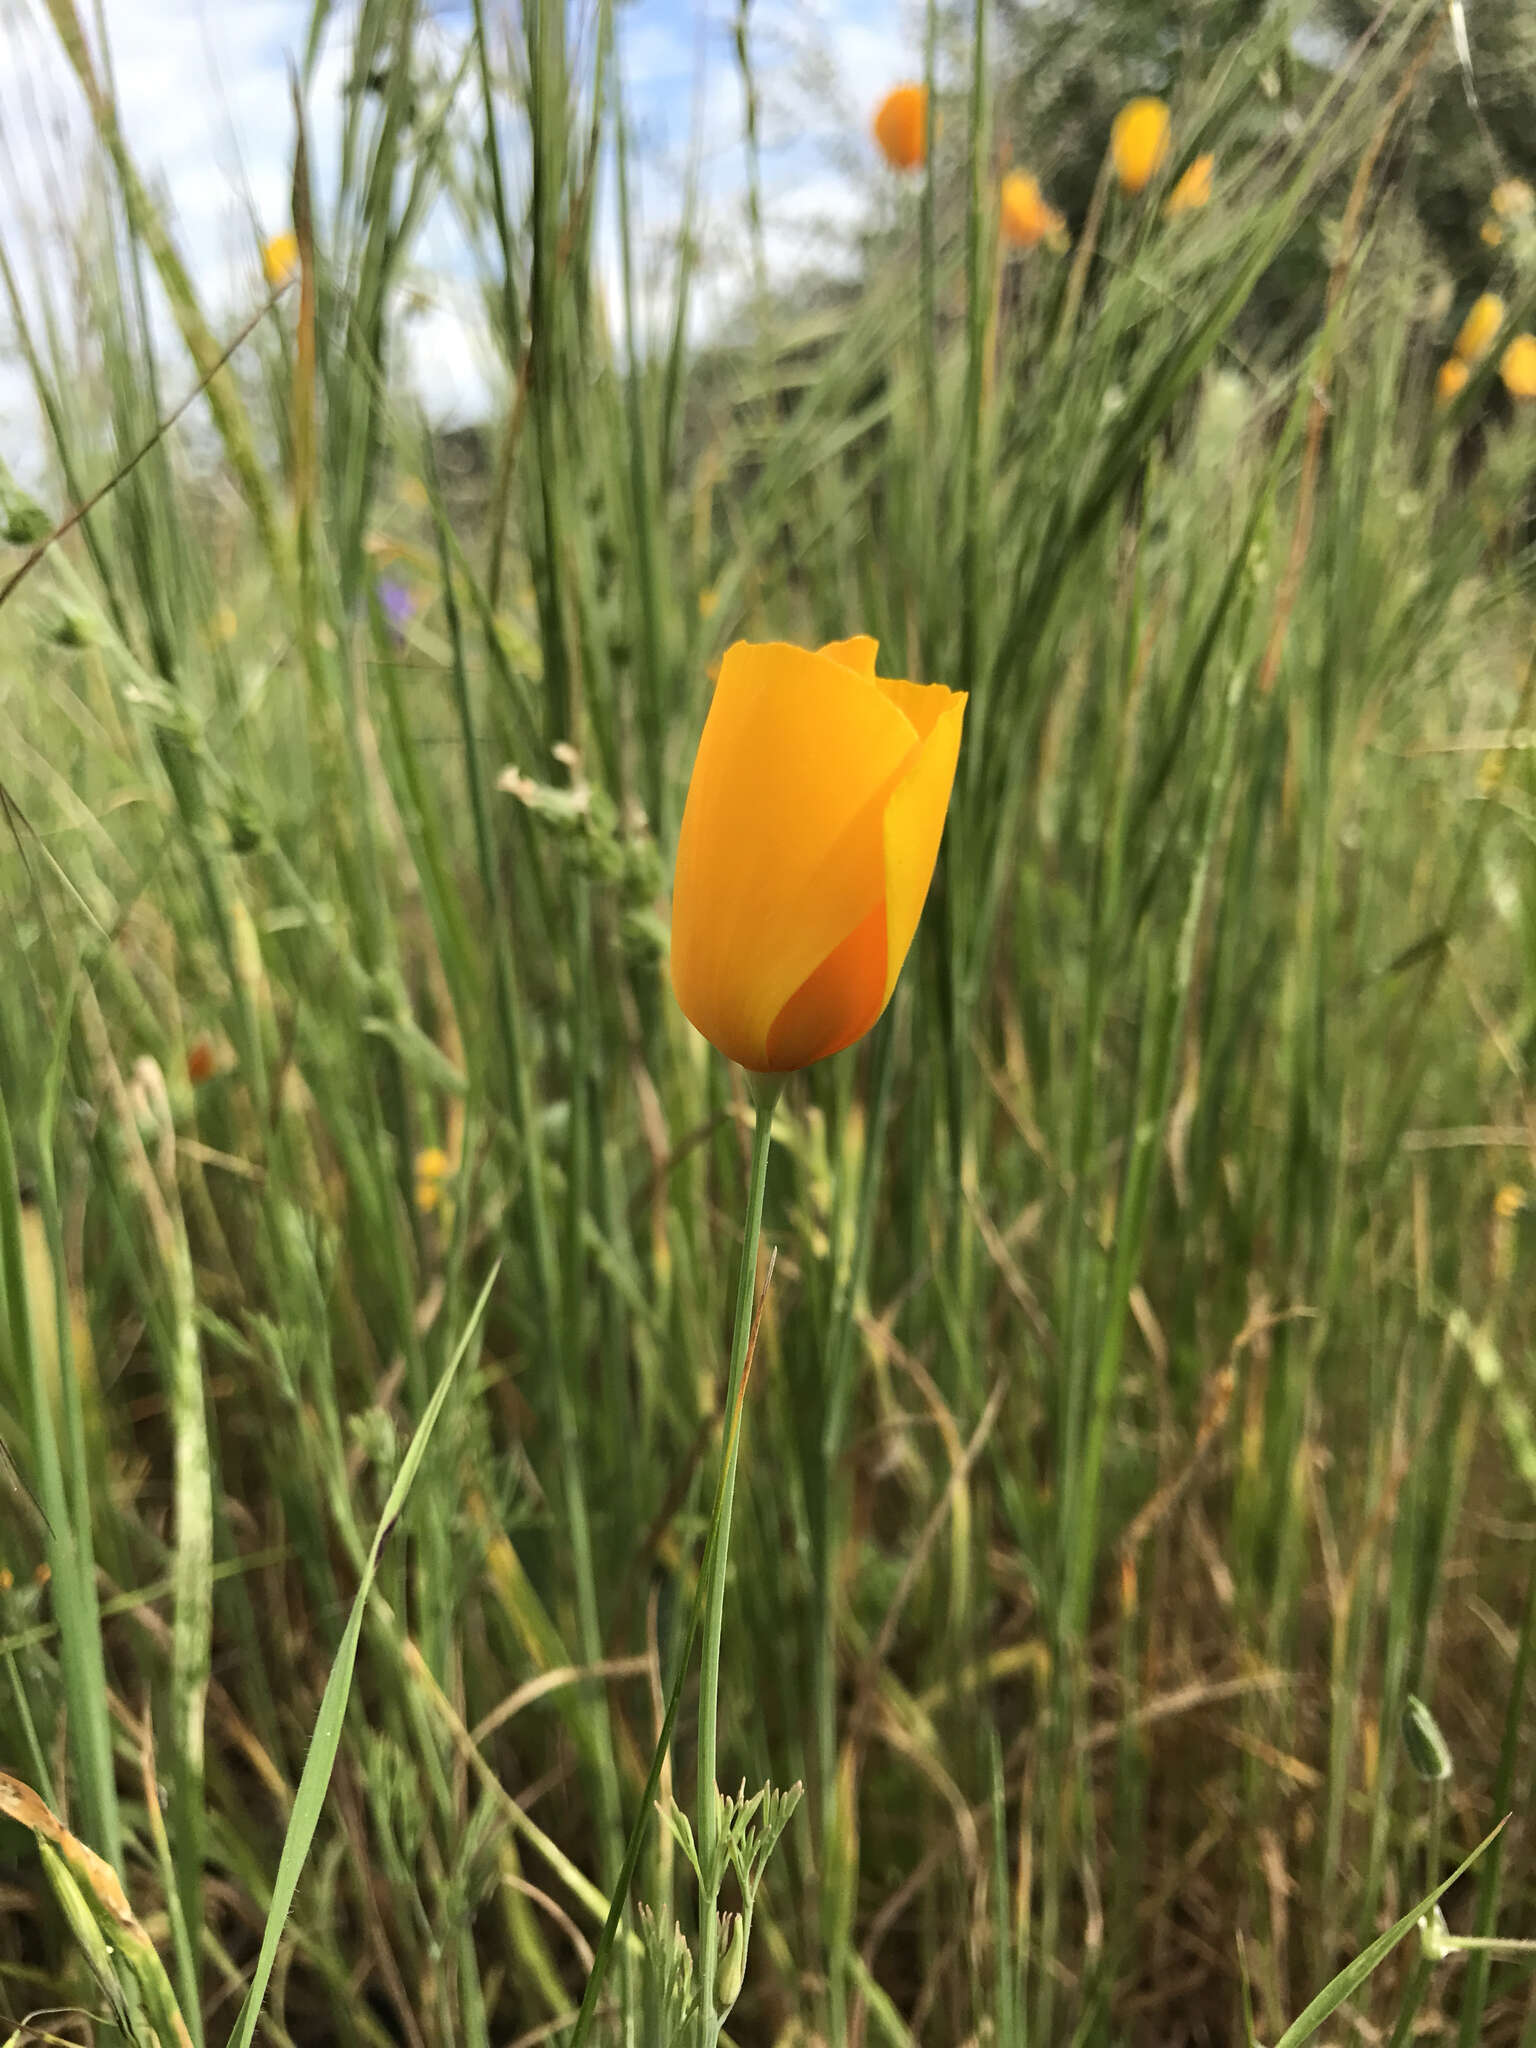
1428	1751
732	1972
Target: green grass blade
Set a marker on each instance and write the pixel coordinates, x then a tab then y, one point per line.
1349	1979
309	1800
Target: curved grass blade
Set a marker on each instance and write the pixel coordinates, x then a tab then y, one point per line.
1354	1974
326	1740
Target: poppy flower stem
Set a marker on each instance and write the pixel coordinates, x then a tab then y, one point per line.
765	1093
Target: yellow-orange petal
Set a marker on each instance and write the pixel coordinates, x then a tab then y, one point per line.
1478	329
279	259
914	826
1138	142
1451	380
846	993
1517	366
1193	189
859	653
778	858
901	126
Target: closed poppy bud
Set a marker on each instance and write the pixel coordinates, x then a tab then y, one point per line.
1026	216
1479	328
279	260
1517	366
1451	380
901	127
808	843
1138	143
1428	1751
1193	189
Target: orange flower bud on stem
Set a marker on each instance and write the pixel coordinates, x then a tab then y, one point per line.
807	846
1138	143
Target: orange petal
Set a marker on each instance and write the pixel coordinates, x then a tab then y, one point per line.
914	825
923	703
858	653
837	1003
1478	329
777	861
846	993
1138	142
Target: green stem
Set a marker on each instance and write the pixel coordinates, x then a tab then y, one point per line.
765	1091
1413	1998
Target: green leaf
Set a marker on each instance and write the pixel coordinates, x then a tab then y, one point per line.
1349	1979
326	1739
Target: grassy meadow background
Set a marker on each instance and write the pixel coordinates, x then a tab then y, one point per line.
1143	1411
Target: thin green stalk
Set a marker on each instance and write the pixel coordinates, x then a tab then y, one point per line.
828	1514
711	1574
508	1008
572	1352
754	164
69	1546
929	258
643	511
765	1091
955	896
1474	1996
549	124
511	309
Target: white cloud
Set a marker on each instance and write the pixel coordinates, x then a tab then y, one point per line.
204	97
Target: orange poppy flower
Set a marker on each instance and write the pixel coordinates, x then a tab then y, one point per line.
1193	189
901	127
280	259
1138	142
1027	216
1517	366
1478	329
808	842
432	1167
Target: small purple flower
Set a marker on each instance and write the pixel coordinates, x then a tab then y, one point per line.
398	607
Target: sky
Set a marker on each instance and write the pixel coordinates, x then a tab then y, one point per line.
203	90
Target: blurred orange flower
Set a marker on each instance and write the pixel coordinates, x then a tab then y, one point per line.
1479	328
813	820
432	1170
1027	216
1512	197
1517	366
1451	380
1138	142
280	259
901	126
1193	189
